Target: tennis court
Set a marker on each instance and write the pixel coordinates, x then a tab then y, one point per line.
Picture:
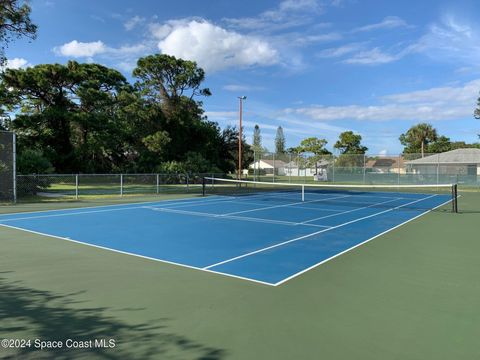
266	234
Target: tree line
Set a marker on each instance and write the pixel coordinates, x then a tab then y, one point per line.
88	118
421	139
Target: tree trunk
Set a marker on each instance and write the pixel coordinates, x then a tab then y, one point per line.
422	149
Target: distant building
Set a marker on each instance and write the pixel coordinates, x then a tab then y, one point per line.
267	167
459	162
386	165
294	168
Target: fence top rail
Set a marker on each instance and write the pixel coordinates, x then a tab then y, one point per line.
122	174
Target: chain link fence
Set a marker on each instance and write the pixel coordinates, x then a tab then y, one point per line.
462	167
94	185
429	169
7	166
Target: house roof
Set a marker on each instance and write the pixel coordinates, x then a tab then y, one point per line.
390	162
458	156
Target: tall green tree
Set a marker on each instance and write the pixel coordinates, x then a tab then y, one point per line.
15	22
167	80
257	141
279	141
350	143
173	115
476	113
67	113
229	150
418	137
316	146
351	150
442	144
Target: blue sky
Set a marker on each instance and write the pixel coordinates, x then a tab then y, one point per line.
316	68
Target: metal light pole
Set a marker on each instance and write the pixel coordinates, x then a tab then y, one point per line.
241	98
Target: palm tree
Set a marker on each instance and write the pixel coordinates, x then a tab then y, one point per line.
422	133
425	134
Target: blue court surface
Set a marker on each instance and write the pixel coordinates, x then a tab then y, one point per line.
263	239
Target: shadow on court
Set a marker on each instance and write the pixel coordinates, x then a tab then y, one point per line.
35	314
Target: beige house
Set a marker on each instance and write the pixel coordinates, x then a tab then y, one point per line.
386	165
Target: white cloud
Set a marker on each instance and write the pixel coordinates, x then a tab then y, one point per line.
124	57
16	63
383	152
340	51
390	22
240	88
371	57
442	103
132	23
215	48
289	13
221	115
78	49
308	126
308	39
451	40
160	31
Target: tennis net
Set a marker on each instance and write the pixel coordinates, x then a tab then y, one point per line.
427	197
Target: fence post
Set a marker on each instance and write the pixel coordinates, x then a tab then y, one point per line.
187	180
121	184
399	168
273	155
158	183
76	187
14	167
333	168
290	167
364	168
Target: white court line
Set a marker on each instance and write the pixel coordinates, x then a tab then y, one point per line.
348	211
112	205
355	246
77	212
74	213
69	214
284	205
137	255
243	218
238	200
312	234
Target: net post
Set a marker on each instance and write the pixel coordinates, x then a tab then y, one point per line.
455	198
204	185
303	193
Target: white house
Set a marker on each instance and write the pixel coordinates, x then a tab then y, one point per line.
269	167
293	168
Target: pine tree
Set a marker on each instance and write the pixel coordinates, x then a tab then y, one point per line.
280	141
257	140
